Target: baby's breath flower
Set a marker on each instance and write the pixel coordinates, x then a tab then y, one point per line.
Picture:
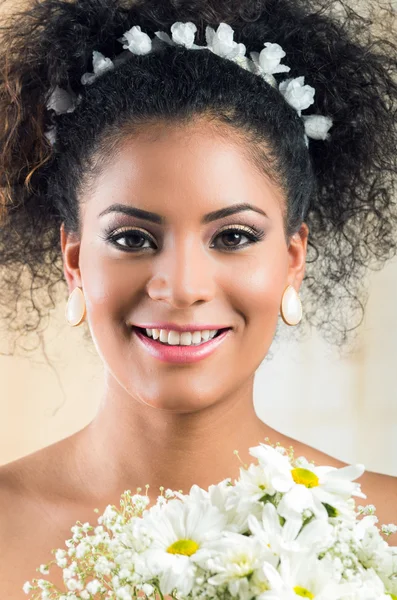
62	562
124	593
82	549
44	569
74	584
68	573
367	510
161	501
389	529
124	573
93	586
27	586
148	589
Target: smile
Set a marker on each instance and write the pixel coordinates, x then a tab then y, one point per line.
179	353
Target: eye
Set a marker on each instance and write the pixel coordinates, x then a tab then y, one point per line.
136	238
234	234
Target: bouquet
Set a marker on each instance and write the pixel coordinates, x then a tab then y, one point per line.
285	529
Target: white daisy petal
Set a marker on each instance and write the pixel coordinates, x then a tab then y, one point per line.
349	472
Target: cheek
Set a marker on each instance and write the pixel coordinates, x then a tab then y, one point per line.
259	286
111	286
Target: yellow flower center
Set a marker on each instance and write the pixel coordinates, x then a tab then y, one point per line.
303	592
305	477
186	547
392	596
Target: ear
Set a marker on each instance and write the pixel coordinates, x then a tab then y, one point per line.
297	256
70	245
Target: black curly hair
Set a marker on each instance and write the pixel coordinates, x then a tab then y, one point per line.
343	188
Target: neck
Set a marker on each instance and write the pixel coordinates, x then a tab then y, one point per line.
130	444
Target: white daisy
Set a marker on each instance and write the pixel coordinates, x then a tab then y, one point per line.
245	496
233	559
219	495
277	467
299	502
302	574
179	533
291	536
328	484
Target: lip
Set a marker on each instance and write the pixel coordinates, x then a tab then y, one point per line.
180	354
175	327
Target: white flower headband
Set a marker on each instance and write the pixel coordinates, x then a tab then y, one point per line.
220	42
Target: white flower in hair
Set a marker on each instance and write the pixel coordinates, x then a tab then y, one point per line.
51	135
268	60
221	42
298	95
100	65
317	126
136	41
61	101
183	33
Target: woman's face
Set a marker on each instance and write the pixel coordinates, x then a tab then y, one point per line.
186	271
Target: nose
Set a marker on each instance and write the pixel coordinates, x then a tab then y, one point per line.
184	274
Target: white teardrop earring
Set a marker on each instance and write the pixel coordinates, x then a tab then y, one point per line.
76	308
291	306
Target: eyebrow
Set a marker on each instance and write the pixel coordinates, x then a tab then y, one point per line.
133	211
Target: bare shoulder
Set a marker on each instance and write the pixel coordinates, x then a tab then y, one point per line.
12	508
19	512
32	520
381	491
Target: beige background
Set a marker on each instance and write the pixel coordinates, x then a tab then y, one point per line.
344	406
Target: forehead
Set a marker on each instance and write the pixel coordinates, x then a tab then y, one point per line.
190	170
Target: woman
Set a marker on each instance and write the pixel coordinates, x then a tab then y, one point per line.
177	191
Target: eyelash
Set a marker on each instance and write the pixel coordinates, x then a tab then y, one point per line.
254	234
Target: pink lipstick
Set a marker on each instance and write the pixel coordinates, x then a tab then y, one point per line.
181	354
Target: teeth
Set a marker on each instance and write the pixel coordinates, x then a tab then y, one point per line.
186	338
